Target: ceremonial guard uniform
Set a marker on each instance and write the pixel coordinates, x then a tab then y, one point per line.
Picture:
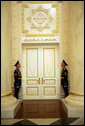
64	78
17	77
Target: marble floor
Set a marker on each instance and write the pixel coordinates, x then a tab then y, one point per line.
41	109
43	121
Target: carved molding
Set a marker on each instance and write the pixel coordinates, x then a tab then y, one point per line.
40	19
49	93
36	91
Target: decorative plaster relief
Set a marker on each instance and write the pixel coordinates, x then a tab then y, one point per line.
40	20
40	39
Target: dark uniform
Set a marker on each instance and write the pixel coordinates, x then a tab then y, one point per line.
64	80
17	83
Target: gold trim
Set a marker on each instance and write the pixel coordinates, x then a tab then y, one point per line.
39	35
25	5
43	81
49	87
44	64
53	2
62	77
32	94
75	93
38	81
27	63
54	5
7	94
54	64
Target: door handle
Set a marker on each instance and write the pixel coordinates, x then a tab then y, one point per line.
42	80
39	80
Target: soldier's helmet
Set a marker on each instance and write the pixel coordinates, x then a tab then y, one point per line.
16	63
64	63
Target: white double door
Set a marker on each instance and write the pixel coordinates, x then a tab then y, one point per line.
40	74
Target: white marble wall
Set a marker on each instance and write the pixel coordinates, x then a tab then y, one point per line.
64	35
64	30
76	47
5	47
16	35
72	42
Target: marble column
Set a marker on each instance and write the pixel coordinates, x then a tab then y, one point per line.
7	98
76	53
64	35
16	10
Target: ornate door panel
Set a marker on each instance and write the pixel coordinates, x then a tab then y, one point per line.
40	72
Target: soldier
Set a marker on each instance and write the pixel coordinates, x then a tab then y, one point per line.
17	77
64	78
